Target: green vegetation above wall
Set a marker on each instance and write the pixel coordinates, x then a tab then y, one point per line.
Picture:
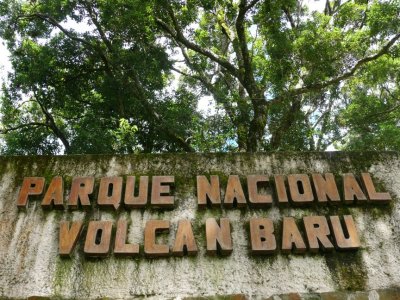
129	76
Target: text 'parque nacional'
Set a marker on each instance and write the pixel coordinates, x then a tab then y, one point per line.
312	233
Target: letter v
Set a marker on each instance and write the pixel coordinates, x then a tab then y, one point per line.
68	237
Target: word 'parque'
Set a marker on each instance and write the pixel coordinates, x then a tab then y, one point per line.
298	188
98	240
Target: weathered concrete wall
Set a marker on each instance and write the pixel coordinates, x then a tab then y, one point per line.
30	264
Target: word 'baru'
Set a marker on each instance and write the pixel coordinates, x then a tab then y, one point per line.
261	191
218	237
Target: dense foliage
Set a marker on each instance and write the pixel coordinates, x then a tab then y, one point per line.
122	76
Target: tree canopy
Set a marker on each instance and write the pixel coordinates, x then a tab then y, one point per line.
123	76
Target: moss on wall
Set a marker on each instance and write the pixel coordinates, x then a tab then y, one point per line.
347	270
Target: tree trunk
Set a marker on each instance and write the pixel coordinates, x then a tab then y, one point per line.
257	127
286	122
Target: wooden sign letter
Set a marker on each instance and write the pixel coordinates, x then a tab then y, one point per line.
110	192
131	200
184	240
351	189
291	237
256	199
68	237
121	248
343	243
152	249
54	195
160	186
207	191
218	238
317	230
234	193
262	236
30	186
326	188
81	188
373	195
281	189
98	238
300	188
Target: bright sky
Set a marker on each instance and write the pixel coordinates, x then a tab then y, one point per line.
5	64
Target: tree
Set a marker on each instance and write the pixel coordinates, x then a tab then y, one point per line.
80	87
373	115
283	77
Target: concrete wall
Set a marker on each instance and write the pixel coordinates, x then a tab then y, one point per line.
30	264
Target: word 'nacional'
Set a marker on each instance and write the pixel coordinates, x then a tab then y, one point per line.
259	191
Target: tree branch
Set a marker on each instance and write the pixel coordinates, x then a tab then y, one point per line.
328	9
52	21
248	80
177	35
36	124
289	17
51	124
344	76
155	117
94	17
201	77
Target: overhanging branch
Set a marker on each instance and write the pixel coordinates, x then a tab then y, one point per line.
176	33
344	76
26	125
